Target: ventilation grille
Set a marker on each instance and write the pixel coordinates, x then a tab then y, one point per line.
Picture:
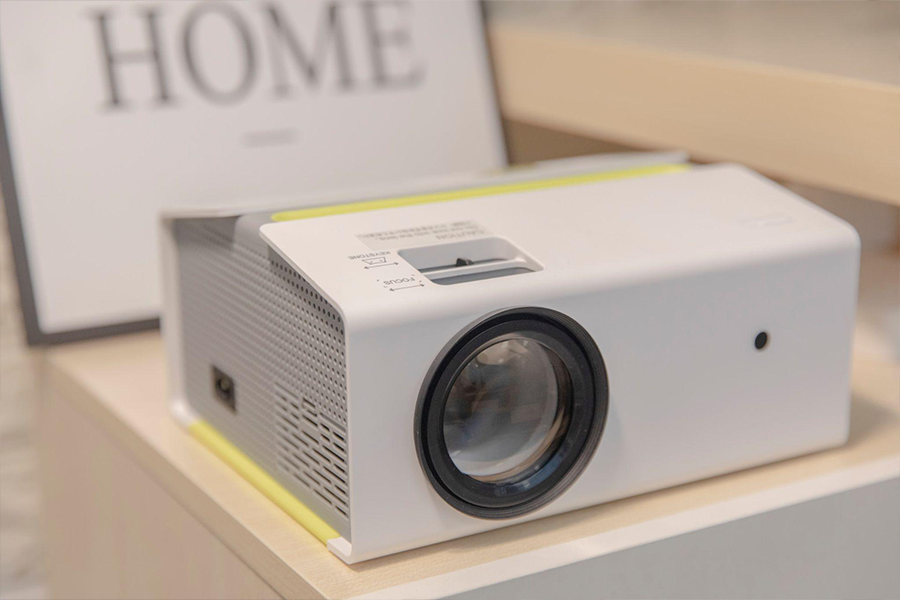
249	315
313	450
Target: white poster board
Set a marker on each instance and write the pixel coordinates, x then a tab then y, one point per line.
112	111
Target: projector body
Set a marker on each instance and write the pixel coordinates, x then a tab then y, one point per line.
426	372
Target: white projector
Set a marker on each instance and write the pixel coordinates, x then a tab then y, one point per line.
400	372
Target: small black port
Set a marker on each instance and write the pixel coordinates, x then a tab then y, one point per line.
762	339
223	386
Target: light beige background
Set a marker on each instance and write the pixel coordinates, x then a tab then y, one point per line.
20	555
21	566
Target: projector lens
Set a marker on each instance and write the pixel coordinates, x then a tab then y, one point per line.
511	412
507	410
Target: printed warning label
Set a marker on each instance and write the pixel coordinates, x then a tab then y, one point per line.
420	236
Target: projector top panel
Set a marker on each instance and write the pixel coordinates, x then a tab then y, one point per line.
503	249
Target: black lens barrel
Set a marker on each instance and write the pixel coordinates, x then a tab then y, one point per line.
589	402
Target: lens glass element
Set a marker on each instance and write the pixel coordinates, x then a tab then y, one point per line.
507	410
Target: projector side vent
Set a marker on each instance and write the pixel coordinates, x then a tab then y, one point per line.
312	448
250	317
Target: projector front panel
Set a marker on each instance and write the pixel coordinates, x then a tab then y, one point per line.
264	363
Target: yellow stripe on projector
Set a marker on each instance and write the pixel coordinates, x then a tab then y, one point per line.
491	190
261	480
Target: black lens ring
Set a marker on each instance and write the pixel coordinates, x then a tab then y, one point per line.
590	399
491	495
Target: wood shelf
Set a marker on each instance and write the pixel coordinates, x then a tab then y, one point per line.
809	94
104	420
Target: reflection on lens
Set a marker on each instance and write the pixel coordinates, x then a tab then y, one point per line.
506	409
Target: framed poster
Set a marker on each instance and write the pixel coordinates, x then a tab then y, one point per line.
112	111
